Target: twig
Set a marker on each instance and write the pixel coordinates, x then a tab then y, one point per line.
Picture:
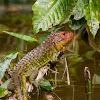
87	73
56	95
53	71
87	78
56	77
1	82
66	70
73	93
74	42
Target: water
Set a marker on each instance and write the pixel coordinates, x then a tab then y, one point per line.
20	21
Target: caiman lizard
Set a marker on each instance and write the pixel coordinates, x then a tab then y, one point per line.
37	58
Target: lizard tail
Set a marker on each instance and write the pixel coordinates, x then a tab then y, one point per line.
18	84
11	86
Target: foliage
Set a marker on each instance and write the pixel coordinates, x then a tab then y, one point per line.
4	92
31	39
76	24
79	10
6	62
46	84
24	37
48	13
53	12
3	66
68	55
3	89
5	84
91	15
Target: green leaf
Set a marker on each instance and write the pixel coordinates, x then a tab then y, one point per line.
91	15
4	92
79	10
76	24
97	7
48	13
23	37
68	55
6	62
46	84
5	84
53	80
3	89
45	36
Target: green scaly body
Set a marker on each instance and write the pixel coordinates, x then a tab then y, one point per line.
38	57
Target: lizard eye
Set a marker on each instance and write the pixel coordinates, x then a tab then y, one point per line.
63	33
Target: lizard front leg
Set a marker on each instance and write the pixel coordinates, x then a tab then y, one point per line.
40	74
32	73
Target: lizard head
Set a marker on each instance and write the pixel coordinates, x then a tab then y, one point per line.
62	38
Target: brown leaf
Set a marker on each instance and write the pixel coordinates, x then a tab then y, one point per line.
94	43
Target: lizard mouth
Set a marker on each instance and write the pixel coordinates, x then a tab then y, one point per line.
69	36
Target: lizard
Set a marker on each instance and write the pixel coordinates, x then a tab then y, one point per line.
47	51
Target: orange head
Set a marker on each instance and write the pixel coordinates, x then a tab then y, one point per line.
62	38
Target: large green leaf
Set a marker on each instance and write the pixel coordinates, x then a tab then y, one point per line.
48	13
23	37
79	10
91	15
97	7
6	62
